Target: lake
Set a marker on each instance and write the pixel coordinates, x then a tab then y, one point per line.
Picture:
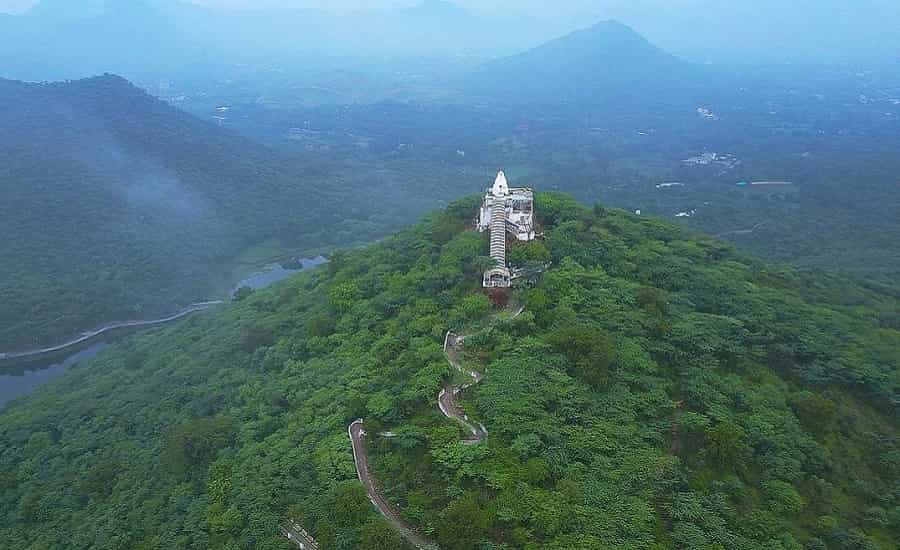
274	273
13	385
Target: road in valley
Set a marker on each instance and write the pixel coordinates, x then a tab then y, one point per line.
193	308
754	229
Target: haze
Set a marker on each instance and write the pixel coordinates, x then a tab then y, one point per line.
736	32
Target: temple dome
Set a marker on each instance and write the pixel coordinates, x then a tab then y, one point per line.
501	186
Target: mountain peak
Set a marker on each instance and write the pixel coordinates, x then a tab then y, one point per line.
605	60
611	36
108	81
612	25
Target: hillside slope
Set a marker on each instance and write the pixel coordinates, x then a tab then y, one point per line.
117	206
660	391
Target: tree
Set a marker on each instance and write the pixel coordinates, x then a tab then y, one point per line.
725	444
480	264
242	293
254	337
344	295
464	524
534	252
100	479
348	504
653	300
320	325
589	351
782	497
195	443
815	411
379	535
474	307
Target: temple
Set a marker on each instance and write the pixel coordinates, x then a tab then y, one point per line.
505	212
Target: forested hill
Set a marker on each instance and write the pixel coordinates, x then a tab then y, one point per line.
117	206
604	62
661	390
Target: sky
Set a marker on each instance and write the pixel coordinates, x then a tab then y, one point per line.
758	31
532	7
14	6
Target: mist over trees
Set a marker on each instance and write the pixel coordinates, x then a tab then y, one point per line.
117	206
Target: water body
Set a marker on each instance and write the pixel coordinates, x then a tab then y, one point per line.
21	383
274	273
18	383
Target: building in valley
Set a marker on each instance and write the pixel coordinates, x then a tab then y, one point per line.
508	213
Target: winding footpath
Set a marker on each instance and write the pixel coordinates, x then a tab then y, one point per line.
388	510
193	308
447	397
450	408
299	536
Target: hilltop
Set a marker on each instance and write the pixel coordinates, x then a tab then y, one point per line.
660	390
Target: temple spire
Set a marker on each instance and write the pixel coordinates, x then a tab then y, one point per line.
506	213
501	186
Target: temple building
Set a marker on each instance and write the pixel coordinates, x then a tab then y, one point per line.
505	211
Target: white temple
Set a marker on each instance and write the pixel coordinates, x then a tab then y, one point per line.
505	211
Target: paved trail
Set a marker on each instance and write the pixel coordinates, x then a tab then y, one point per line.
388	510
299	536
447	398
450	408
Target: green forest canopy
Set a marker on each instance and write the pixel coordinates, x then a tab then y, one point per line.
660	391
117	206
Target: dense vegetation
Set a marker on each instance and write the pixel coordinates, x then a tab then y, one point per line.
661	390
117	206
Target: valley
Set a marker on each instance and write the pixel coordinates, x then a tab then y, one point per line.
848	195
169	207
22	372
258	292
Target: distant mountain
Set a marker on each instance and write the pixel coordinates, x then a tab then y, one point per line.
168	39
60	40
117	206
604	61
